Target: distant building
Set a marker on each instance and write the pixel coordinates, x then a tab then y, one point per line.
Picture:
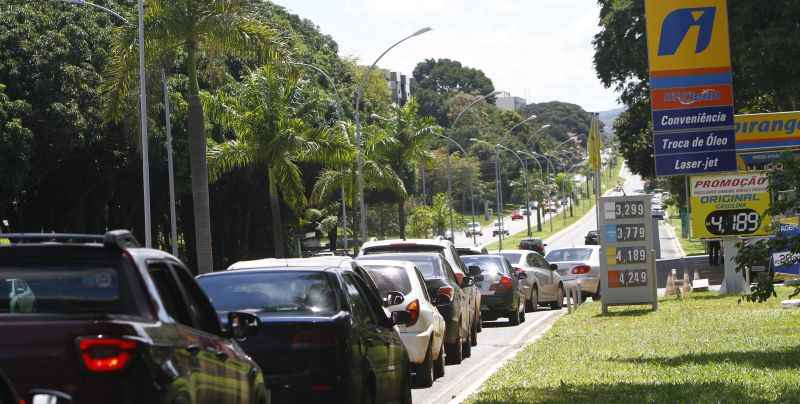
400	86
507	102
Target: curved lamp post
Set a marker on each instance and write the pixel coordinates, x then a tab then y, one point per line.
525	180
539	203
339	114
360	158
148	237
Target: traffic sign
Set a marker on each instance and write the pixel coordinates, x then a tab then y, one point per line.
627	263
730	205
691	86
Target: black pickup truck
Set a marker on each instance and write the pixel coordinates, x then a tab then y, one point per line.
96	319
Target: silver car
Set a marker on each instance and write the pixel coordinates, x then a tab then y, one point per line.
580	265
543	285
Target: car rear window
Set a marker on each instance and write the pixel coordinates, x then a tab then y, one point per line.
390	279
62	290
404	248
487	264
429	266
271	292
512	257
569	254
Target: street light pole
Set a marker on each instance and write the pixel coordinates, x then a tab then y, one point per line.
525	180
360	157
172	215
469	183
148	237
339	114
498	186
539	203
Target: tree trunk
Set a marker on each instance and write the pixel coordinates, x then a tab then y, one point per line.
277	225
199	169
333	238
401	217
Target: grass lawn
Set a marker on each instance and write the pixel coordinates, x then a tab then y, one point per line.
707	349
690	247
559	223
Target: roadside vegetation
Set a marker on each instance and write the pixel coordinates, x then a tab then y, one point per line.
690	247
706	349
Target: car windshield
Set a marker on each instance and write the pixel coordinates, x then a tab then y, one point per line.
474	225
569	254
488	265
61	290
271	292
512	257
429	266
390	279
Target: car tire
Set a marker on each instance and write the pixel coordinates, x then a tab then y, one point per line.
473	338
407	398
533	303
423	377
559	303
454	353
438	364
467	346
513	316
480	322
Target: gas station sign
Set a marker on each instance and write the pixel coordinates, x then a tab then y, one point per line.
730	205
627	263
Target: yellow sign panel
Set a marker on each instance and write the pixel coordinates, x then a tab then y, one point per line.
767	131
730	205
687	34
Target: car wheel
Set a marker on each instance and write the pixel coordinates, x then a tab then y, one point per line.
438	365
480	321
522	310
559	303
513	316
406	398
533	303
467	346
424	372
455	354
473	338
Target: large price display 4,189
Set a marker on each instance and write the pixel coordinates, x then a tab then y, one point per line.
733	222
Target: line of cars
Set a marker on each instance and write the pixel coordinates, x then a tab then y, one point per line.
103	320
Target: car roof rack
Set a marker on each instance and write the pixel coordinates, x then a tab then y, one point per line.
113	238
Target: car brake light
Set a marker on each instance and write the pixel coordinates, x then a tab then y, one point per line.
446	292
413	309
459	277
581	269
320	388
505	283
313	339
103	355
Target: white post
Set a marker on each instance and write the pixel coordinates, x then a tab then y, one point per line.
172	215
733	283
148	237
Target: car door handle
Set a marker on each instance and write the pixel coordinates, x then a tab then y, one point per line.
221	355
193	349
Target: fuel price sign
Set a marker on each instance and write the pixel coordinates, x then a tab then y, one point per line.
628	267
730	205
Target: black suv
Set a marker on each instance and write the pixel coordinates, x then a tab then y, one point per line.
96	319
532	244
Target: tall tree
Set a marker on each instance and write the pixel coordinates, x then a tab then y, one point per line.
197	29
264	115
438	80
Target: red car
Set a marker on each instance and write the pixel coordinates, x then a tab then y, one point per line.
516	215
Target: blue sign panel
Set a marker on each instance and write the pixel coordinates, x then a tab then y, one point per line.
682	119
696	163
693	142
786	262
611	233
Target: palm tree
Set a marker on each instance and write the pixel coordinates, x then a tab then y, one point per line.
262	112
195	29
378	174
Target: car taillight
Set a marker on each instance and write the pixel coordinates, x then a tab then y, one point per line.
445	292
413	309
317	338
581	269
505	283
459	277
103	355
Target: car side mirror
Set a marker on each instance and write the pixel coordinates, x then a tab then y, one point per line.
242	325
401	317
394	298
522	275
474	270
467	282
553	267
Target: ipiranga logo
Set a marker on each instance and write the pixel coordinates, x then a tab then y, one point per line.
677	25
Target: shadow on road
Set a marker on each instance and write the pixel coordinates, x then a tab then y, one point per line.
625	313
776	360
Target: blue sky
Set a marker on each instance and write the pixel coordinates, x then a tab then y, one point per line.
536	49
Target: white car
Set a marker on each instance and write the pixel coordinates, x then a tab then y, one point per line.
580	265
543	285
404	288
